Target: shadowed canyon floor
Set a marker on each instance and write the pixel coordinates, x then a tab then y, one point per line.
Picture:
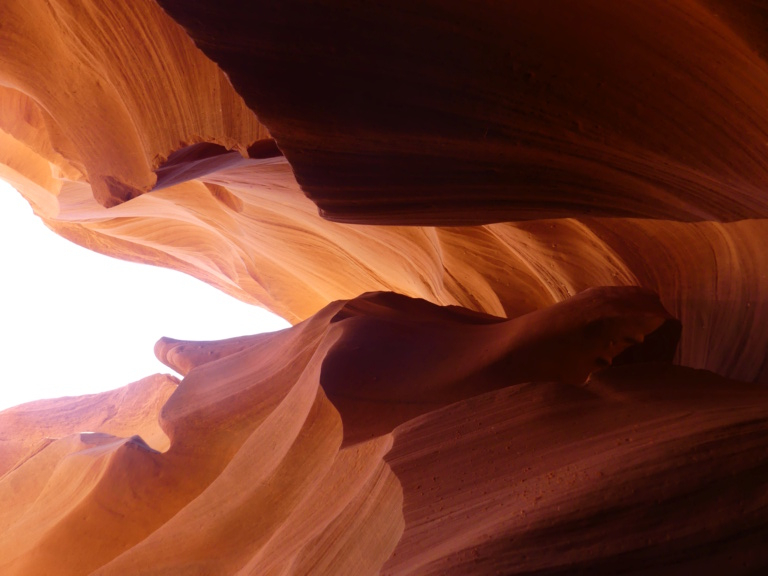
522	245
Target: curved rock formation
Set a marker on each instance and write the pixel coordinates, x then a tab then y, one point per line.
449	112
497	159
132	410
390	435
243	224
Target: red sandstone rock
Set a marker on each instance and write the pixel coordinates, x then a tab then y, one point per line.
385	434
485	460
452	112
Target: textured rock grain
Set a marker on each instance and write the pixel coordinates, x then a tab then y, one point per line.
471	169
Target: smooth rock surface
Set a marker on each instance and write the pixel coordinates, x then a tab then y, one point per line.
468	210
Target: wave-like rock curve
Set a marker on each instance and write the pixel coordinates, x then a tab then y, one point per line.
496	159
389	435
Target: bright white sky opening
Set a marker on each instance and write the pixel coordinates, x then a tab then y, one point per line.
76	322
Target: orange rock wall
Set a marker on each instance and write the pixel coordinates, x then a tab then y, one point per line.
389	435
498	158
247	228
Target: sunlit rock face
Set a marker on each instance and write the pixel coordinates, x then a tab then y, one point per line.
493	159
390	435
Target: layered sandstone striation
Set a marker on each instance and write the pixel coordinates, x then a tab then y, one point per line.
390	435
473	169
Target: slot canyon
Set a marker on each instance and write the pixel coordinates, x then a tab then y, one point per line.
523	247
